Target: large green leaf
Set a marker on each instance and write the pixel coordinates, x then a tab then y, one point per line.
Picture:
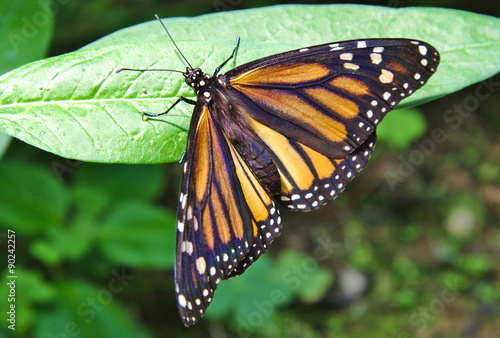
25	33
76	106
137	234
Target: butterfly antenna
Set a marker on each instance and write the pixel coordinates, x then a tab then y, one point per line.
148	70
170	36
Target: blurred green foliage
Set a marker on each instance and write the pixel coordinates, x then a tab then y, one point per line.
95	243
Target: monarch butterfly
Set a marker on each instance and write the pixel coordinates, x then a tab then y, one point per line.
294	127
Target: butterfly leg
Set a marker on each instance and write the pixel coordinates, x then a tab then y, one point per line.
229	58
145	116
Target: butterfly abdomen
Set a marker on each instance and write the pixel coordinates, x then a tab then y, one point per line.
261	165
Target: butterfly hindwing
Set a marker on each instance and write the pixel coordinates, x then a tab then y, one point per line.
309	179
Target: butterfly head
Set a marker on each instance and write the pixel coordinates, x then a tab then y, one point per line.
196	79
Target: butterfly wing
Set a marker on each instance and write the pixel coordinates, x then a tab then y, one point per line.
224	216
314	109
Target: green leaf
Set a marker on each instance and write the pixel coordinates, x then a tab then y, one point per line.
258	298
303	275
139	235
4	143
294	274
30	205
69	243
25	35
476	265
83	310
25	32
122	181
76	106
401	128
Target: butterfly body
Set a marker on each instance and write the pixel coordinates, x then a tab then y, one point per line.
295	128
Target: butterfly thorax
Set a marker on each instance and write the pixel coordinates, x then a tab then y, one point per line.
196	79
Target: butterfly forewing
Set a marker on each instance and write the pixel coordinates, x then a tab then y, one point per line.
297	126
331	97
225	218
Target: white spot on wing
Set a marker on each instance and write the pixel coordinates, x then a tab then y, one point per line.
201	265
182	301
361	44
335	47
187	247
351	66
346	56
386	76
376	58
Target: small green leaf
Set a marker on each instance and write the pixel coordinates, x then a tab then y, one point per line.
475	264
258	298
139	235
30	205
304	276
122	181
402	127
75	105
69	243
83	310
